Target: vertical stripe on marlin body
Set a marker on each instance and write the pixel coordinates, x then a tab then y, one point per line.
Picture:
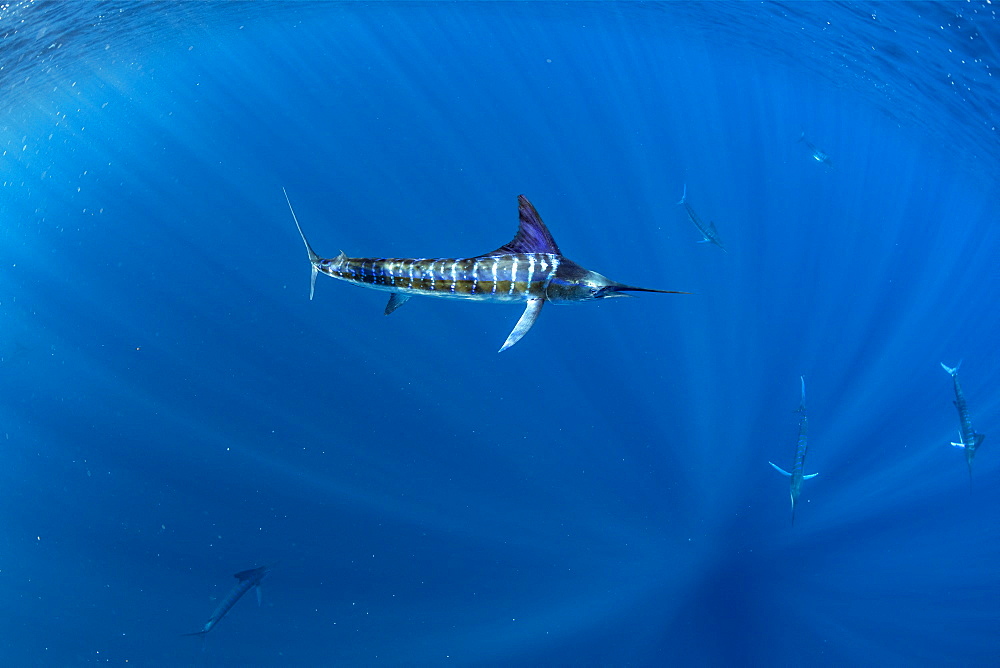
529	269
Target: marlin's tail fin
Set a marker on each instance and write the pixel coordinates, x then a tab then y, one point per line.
951	372
313	257
684	196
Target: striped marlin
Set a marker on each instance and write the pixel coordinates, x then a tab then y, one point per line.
247	580
817	155
967	436
529	269
709	232
796	477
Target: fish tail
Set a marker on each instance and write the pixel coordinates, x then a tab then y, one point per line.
951	372
313	257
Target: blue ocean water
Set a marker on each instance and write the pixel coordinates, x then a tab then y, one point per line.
174	409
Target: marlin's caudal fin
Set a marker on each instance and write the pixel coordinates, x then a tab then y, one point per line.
951	372
313	257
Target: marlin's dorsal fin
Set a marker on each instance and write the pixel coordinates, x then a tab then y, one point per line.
532	235
252	574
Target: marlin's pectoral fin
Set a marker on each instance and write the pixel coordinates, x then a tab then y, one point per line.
260	597
395	301
527	319
780	470
958	445
810	476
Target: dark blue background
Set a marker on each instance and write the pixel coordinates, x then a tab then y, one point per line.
175	409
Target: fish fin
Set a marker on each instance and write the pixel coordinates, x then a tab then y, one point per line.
196	633
958	445
704	241
532	235
781	470
260	596
527	319
951	372
396	300
810	476
979	439
313	257
685	195
251	573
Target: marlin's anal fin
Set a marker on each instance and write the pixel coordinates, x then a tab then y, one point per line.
780	470
395	301
528	318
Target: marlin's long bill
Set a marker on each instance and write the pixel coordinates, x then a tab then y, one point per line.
248	580
529	270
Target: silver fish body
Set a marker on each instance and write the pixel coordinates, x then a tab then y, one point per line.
530	270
